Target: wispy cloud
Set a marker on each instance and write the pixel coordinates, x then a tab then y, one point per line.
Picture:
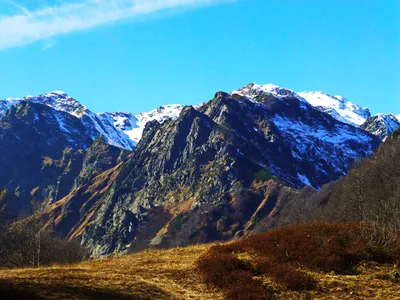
29	26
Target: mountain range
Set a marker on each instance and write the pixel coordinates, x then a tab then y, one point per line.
177	175
132	125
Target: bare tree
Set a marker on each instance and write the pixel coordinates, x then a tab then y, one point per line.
29	242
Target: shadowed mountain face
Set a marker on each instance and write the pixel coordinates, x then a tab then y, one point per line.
212	174
42	153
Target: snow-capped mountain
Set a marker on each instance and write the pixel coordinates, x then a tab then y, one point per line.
133	124
337	106
252	91
381	125
96	125
224	158
211	159
310	135
124	129
57	100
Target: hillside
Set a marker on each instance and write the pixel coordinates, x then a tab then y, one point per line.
172	274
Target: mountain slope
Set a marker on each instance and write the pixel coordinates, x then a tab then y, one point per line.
41	154
337	106
211	174
369	193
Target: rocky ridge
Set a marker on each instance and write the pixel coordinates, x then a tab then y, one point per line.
213	173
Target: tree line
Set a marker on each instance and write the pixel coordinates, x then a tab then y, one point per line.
369	194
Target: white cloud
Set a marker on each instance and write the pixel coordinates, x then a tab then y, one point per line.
33	25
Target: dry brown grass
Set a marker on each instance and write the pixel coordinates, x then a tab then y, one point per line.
172	274
155	274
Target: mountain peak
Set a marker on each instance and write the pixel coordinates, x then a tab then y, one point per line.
60	94
252	90
338	107
134	124
56	99
381	125
60	101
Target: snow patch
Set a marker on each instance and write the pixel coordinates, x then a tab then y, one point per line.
133	125
340	108
304	179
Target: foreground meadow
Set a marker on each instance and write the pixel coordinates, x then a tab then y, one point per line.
181	273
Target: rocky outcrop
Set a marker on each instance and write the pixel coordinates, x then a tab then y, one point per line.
381	125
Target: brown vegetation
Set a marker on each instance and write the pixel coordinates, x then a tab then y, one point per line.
172	274
286	256
155	274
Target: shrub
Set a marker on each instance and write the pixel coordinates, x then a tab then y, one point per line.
284	274
219	268
262	176
280	253
316	246
248	288
222	269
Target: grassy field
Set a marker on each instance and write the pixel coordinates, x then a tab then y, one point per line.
156	274
172	274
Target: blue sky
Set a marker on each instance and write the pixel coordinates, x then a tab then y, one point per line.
135	55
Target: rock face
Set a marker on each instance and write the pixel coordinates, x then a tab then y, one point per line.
381	125
212	174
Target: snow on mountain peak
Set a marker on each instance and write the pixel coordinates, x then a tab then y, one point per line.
56	99
60	93
337	106
133	125
253	90
95	124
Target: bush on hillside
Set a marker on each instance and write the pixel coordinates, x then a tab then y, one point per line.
282	255
262	175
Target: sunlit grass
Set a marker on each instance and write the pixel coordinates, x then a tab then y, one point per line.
172	274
